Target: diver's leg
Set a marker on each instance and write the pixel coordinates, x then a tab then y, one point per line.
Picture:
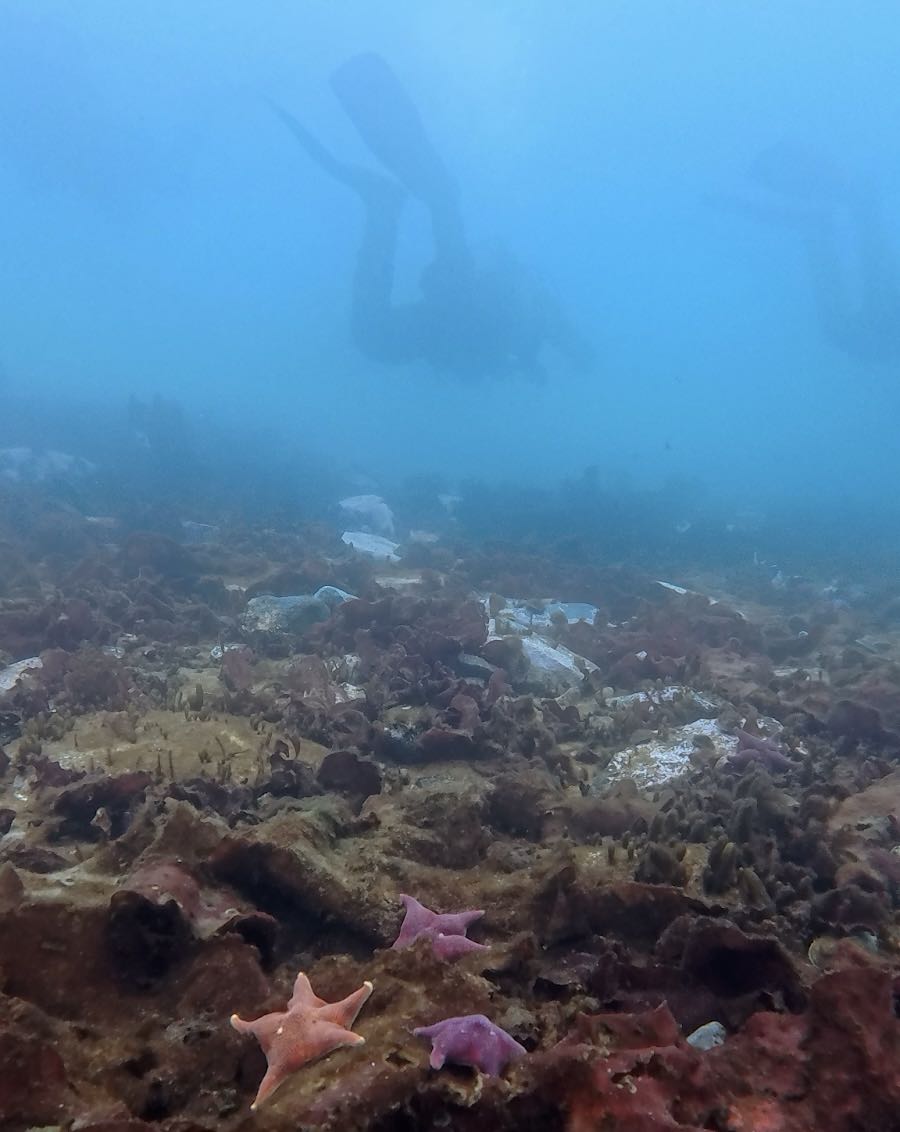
379	329
389	122
815	226
879	267
834	305
382	331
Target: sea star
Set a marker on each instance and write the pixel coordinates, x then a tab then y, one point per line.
757	748
446	930
310	1028
471	1039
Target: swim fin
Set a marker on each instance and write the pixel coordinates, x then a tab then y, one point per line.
389	123
371	185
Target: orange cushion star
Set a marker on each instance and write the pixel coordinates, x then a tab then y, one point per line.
310	1028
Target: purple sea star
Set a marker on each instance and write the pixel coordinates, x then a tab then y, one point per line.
471	1039
446	930
756	748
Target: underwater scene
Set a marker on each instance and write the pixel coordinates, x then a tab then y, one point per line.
449	566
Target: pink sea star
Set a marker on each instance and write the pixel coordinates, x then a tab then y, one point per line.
310	1028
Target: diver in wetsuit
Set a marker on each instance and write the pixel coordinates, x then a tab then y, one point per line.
810	195
471	320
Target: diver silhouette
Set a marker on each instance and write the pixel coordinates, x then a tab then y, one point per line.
471	320
853	268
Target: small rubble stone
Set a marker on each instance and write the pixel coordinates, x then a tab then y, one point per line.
708	1036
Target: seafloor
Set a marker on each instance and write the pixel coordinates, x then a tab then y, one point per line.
690	817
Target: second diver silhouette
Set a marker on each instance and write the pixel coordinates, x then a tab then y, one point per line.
854	271
471	320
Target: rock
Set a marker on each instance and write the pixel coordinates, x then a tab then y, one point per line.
473	667
553	669
11	675
440	743
707	1037
30	465
10	728
375	546
199	534
279	858
118	795
292	614
347	693
12	890
703	704
831	952
333	596
423	538
218	651
870	807
659	760
371	512
351	774
35	1089
207	912
517	616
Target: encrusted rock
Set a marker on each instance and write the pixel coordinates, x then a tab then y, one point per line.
291	614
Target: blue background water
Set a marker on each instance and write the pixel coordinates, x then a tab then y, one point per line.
162	233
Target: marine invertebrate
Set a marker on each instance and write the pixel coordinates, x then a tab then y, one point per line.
756	748
310	1028
446	930
471	1039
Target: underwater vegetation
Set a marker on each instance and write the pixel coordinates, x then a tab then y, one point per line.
471	831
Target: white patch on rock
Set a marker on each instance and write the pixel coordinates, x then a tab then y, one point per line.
349	693
554	667
659	760
11	675
518	616
668	695
373	545
371	512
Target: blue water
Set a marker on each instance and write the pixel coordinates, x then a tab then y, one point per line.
162	234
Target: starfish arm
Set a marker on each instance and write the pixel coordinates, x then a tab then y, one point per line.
275	1076
263	1029
450	947
457	923
344	1013
492	1049
438	1036
303	995
325	1036
416	920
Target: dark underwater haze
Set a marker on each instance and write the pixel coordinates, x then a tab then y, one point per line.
161	233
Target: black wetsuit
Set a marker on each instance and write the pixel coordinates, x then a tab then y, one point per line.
470	321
